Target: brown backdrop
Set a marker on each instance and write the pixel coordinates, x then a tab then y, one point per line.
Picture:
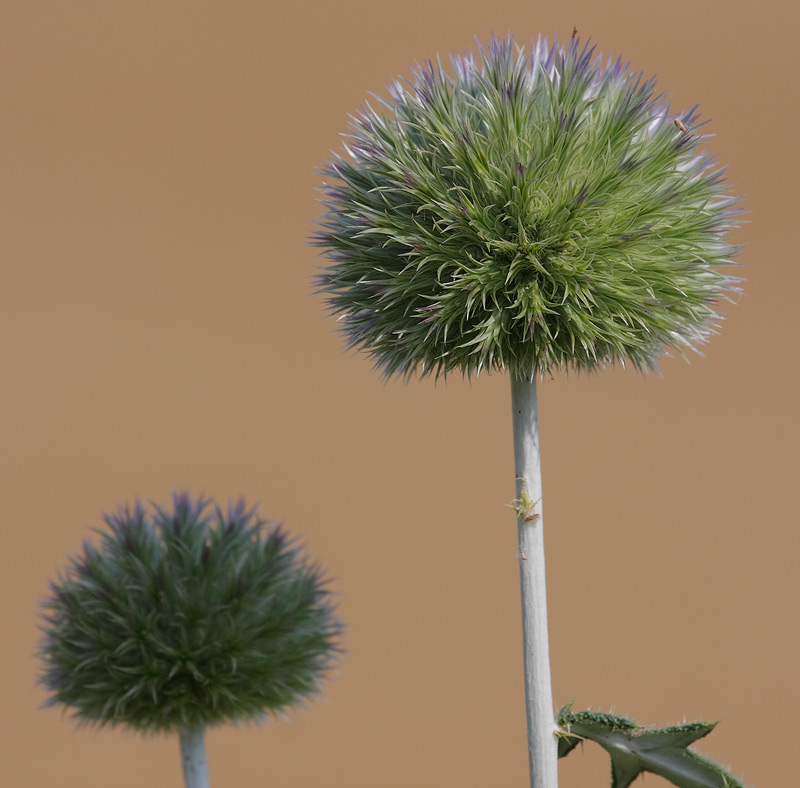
158	173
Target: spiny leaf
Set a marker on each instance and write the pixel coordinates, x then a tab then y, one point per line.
635	749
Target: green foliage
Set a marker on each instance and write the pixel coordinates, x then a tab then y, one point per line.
635	750
185	619
533	211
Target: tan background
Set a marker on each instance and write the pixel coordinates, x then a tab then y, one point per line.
157	331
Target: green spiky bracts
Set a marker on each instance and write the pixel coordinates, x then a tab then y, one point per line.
535	211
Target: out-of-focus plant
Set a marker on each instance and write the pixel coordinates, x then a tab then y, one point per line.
184	619
529	211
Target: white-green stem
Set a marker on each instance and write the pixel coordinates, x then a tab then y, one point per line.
542	743
193	757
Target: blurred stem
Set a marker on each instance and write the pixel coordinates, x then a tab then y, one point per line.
542	743
193	756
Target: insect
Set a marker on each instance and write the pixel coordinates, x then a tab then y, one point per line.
680	125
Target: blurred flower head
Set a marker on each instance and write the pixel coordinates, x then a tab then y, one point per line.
530	210
187	618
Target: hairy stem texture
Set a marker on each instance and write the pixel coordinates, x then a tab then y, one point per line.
542	744
193	757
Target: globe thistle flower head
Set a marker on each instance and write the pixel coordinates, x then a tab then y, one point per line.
532	210
185	619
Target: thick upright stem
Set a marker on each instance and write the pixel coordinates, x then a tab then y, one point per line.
193	756
542	744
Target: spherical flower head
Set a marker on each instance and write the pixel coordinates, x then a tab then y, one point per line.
185	619
530	211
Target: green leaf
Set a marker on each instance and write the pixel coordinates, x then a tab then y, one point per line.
635	749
